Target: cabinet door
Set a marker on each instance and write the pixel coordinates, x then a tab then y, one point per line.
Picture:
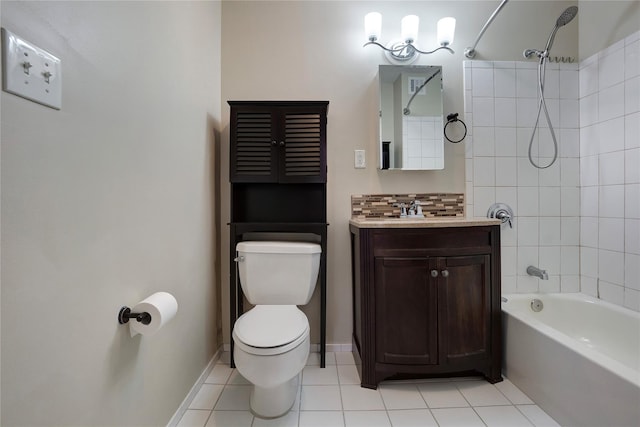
406	316
254	146
302	147
464	308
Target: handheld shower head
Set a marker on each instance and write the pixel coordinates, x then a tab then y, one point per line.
564	18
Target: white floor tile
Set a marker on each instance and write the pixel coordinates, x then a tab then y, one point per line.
348	374
320	398
513	393
344	358
457	417
502	416
314	359
401	396
412	418
321	419
315	375
230	419
356	398
219	374
206	397
482	393
537	416
234	398
237	379
442	395
194	418
290	419
366	419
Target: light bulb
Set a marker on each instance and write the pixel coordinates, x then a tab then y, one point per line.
409	26
446	30
372	26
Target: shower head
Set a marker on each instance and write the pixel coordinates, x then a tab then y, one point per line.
564	18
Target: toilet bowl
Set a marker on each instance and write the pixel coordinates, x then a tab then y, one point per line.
271	349
272	339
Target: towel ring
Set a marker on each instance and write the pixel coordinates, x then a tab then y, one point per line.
452	118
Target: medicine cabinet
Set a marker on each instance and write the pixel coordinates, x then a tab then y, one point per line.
411	117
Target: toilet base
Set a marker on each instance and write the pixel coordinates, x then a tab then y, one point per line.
274	402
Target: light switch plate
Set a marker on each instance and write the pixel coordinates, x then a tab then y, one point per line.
359	159
30	72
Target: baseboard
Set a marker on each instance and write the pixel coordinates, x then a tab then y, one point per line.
177	416
315	348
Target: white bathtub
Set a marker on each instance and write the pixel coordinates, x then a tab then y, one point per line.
578	358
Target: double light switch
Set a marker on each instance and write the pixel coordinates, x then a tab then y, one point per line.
30	72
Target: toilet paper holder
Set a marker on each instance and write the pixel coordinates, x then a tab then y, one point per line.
125	314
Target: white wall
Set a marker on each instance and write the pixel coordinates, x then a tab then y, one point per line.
313	50
104	203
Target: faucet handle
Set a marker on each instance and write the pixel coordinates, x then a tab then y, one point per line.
403	209
501	211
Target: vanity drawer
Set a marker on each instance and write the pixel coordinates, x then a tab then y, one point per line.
466	240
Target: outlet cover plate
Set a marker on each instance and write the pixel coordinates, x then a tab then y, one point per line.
30	72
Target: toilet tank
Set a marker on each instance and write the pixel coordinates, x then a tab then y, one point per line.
279	273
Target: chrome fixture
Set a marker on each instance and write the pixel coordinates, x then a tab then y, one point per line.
415	209
535	271
470	52
501	211
543	55
404	51
536	305
403	209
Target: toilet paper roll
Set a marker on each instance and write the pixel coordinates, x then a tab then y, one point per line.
162	306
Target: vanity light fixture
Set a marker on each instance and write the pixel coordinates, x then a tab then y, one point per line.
405	51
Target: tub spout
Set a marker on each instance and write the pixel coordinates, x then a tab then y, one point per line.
535	271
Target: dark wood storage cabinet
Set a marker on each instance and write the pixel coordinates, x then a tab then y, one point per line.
283	142
278	175
426	302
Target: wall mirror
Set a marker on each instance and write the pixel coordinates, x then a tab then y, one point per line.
411	117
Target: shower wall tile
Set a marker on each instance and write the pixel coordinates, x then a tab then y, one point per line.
632	166
632	62
589	109
632	236
611	266
632	95
611	70
610	172
632	299
611	293
609	102
610	135
546	198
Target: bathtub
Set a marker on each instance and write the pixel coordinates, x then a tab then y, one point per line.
578	358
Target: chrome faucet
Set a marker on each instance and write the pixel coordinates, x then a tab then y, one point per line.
415	209
535	271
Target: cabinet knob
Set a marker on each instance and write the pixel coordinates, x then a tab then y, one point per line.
281	143
274	142
434	273
445	273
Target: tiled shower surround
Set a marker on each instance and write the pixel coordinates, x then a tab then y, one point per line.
580	218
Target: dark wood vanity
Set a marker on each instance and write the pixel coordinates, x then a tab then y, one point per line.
426	299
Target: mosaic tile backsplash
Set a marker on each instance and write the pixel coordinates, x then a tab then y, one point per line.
365	206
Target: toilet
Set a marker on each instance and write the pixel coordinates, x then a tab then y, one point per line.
272	339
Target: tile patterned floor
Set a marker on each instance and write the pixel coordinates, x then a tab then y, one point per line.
332	397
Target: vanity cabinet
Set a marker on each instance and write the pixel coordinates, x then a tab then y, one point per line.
426	301
278	141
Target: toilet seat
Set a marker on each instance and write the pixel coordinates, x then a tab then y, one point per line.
270	329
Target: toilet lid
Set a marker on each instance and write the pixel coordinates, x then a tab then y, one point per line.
268	326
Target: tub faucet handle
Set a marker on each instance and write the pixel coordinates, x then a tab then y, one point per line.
501	211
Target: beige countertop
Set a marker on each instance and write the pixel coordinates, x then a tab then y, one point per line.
421	222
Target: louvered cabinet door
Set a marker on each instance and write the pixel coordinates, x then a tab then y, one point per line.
254	145
303	154
278	142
